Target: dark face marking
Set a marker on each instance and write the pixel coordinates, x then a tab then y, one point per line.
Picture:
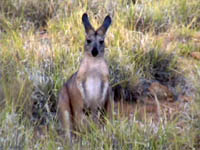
94	45
94	52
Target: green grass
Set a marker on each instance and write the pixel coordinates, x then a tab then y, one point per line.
145	39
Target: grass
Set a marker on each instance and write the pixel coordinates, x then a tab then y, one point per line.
41	45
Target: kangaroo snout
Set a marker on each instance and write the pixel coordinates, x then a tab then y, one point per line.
94	52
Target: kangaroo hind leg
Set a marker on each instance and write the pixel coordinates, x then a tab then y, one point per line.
64	112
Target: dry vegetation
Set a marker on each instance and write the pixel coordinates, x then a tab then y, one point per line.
153	51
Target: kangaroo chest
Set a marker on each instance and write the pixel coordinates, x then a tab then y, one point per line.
92	81
95	90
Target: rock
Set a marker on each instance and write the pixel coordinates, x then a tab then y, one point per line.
195	55
162	92
185	98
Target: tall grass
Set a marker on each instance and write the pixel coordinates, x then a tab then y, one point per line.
41	45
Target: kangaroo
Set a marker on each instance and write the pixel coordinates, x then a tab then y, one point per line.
88	89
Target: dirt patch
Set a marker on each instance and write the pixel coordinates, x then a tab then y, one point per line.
162	90
195	55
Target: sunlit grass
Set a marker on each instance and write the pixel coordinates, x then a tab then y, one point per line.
34	66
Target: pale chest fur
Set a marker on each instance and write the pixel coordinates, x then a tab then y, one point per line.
92	81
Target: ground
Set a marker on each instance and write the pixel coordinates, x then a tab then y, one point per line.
153	52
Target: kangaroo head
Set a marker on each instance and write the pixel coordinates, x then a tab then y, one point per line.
94	44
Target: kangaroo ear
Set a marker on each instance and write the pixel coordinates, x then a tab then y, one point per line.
106	23
86	23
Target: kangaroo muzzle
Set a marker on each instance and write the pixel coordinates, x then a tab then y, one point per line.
94	52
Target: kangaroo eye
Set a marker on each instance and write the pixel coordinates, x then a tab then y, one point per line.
89	41
101	42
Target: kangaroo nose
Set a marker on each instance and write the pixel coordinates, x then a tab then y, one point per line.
94	52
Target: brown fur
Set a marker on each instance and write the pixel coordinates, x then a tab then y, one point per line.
93	75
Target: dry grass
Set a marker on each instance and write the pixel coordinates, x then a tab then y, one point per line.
41	45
